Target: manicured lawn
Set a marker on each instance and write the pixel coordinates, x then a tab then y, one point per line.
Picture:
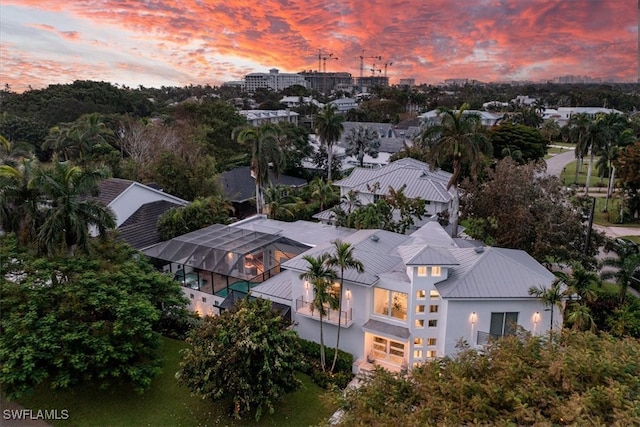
568	176
168	404
633	238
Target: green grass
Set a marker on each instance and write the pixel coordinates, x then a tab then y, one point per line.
171	405
568	176
633	238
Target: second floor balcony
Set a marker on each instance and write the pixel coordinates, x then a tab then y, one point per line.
304	308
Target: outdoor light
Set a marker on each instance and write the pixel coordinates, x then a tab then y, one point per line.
536	317
348	294
306	285
473	318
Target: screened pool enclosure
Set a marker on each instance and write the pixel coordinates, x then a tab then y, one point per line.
221	258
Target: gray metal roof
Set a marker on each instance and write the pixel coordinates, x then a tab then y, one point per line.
493	273
308	233
374	248
385	329
432	234
426	255
277	286
419	179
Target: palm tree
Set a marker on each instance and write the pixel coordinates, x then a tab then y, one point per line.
329	128
68	211
280	203
458	136
11	153
362	140
579	317
323	191
551	297
265	153
343	259
20	200
624	267
78	139
321	278
578	129
580	282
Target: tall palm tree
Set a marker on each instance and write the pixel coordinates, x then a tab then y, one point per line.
362	140
329	128
266	153
343	259
579	317
578	129
458	136
69	212
323	191
280	203
580	282
551	297
624	267
321	278
20	200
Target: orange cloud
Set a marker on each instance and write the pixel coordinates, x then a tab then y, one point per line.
429	40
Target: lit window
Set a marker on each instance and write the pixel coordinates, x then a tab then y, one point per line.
417	354
419	323
433	309
436	271
390	303
431	353
420	309
433	323
421	294
417	342
434	294
422	271
431	341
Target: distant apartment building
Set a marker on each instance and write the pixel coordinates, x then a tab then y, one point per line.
261	117
328	82
367	82
273	80
407	82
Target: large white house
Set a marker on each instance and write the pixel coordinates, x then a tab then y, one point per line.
419	296
419	179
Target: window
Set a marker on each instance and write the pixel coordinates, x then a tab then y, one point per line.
204	299
431	341
434	294
419	323
422	271
433	309
417	354
431	353
421	294
386	349
390	303
417	342
436	271
420	309
503	324
376	197
433	323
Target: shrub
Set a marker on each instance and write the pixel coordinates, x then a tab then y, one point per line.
310	364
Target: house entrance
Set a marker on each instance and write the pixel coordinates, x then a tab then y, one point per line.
386	350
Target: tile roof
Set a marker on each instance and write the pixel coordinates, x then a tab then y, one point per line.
239	186
140	229
109	189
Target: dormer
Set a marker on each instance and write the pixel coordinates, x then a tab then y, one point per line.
429	262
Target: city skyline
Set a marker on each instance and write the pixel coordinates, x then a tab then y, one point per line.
182	42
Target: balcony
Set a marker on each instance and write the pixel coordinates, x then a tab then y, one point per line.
303	308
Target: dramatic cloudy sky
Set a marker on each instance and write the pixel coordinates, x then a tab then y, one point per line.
181	42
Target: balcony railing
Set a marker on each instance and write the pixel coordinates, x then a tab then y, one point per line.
485	337
304	308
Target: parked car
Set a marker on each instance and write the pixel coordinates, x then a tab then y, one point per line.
628	246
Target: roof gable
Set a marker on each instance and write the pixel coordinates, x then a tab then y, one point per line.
426	255
140	230
109	189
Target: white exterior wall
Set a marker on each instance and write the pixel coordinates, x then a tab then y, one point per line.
130	200
460	324
202	303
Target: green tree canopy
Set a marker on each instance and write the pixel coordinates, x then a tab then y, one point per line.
525	139
67	321
199	214
247	354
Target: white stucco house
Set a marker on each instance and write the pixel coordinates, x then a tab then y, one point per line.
419	296
420	180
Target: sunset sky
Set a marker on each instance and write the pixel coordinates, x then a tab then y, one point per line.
182	42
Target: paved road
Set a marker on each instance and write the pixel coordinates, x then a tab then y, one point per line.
556	163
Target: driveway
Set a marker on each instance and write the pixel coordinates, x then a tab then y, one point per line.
556	163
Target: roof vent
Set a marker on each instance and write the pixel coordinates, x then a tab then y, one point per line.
479	249
375	238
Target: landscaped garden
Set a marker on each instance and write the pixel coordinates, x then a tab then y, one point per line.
167	403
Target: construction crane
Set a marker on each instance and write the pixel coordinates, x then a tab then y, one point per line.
324	72
362	58
374	69
385	67
321	56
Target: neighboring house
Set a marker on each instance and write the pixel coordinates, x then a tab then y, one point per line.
390	143
419	296
486	118
420	180
240	188
562	114
299	101
344	104
137	208
261	117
